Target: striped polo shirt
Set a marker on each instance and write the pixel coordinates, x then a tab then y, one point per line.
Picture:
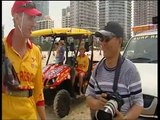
129	83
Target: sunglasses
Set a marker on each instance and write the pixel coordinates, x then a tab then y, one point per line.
104	35
28	5
105	38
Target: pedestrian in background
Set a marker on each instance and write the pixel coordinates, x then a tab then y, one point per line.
55	48
60	53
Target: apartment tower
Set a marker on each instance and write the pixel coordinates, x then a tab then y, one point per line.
66	17
45	23
43	6
119	11
83	14
144	10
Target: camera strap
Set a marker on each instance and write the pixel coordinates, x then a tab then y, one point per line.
116	76
117	72
96	72
10	74
6	70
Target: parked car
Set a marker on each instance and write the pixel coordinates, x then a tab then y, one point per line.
142	50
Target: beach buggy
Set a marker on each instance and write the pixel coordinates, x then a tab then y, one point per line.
58	90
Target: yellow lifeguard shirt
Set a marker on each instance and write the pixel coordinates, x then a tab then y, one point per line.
28	68
83	63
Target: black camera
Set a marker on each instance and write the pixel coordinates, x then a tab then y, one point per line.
115	101
9	77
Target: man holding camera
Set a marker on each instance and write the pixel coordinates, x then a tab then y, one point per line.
127	101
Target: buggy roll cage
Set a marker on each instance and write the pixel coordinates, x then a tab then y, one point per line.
64	33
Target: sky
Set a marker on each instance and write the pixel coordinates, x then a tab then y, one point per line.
55	12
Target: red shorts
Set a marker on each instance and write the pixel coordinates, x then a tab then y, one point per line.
80	71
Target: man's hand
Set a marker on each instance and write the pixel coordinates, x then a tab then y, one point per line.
101	101
41	112
119	116
98	102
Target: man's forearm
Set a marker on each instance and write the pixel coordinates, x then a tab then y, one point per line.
96	103
90	102
41	112
134	112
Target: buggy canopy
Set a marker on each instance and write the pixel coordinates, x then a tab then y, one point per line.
61	31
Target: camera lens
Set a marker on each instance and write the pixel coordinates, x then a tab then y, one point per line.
111	107
108	112
101	115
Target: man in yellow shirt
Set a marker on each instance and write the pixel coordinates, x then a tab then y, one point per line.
81	68
25	57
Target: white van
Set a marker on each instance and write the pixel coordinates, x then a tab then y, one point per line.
142	50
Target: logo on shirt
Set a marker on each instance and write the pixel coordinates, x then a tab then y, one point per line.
32	65
32	60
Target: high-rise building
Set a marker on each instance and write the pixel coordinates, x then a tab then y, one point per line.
119	11
43	6
66	17
144	10
46	23
83	14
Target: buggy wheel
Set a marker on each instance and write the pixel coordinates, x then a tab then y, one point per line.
62	103
48	96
